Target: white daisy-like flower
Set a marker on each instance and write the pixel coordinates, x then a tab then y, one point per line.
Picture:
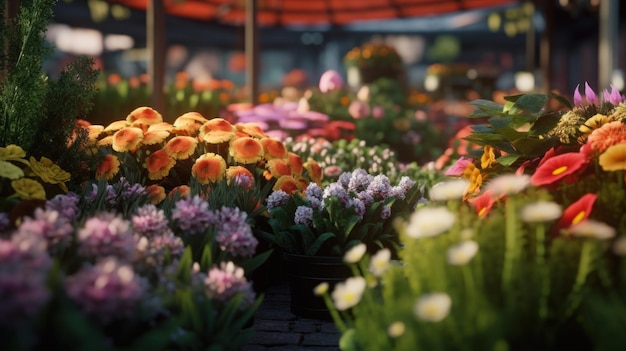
433	307
396	329
347	294
507	184
355	253
590	228
380	262
321	289
449	190
462	253
540	211
429	221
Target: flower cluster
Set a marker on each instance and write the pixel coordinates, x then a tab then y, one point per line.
357	208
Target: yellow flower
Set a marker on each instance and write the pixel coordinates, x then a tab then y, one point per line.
28	189
11	152
49	172
488	158
9	170
158	165
108	167
246	150
614	158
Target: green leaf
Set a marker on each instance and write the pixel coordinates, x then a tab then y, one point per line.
487	106
562	100
545	123
317	244
531	102
507	160
256	261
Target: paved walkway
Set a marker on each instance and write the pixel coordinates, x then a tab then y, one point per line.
276	328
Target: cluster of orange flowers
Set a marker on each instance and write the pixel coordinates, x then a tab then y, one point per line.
168	155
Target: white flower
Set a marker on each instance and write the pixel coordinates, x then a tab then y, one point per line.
396	329
449	190
355	253
433	307
429	221
508	184
592	229
347	294
321	289
380	262
540	211
619	246
462	253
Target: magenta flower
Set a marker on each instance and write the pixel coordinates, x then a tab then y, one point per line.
106	234
109	290
578	99
233	233
590	95
51	225
614	97
330	80
224	282
459	167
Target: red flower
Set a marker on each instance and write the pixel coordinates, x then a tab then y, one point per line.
576	212
483	203
557	168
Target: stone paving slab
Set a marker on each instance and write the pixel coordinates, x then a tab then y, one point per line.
277	329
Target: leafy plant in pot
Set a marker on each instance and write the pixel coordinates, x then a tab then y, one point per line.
314	229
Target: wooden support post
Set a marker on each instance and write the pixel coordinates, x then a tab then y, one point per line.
155	32
252	53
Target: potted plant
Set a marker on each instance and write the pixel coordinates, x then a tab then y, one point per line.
315	227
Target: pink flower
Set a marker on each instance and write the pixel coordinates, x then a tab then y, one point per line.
590	95
578	99
359	109
459	167
330	80
378	112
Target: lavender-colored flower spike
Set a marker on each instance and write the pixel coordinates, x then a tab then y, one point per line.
590	95
615	97
578	99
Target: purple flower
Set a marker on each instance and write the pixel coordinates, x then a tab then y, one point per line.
590	95
49	224
385	213
5	222
578	99
614	97
24	266
150	221
109	290
357	205
344	179
330	80
379	187
303	215
366	197
314	191
234	234
335	189
360	180
65	204
276	199
106	234
192	215
153	251
224	282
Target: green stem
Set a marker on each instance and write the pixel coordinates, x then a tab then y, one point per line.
584	268
540	259
509	245
334	313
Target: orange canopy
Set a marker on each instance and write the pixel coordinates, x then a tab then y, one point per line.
312	12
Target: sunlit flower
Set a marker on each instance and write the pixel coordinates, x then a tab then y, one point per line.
153	137
115	126
251	129
540	211
593	123
158	165
609	134
488	158
590	228
156	193
557	168
26	188
472	173
429	221
296	162
347	294
145	115
274	148
10	171
433	307
246	150
127	139
614	158
396	329
321	289
379	262
508	184
278	167
48	171
577	211
483	203
355	253
108	167
314	170
180	147
461	253
209	167
217	130
449	189
12	152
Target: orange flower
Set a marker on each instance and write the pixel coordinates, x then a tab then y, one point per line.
314	170
251	129
181	147
217	130
115	126
609	134
195	117
246	150
106	141
235	172
94	131
182	191
108	167
614	158
127	139
209	167
274	148
287	184
156	193
144	115
160	126
158	165
278	168
488	158
296	163
154	137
